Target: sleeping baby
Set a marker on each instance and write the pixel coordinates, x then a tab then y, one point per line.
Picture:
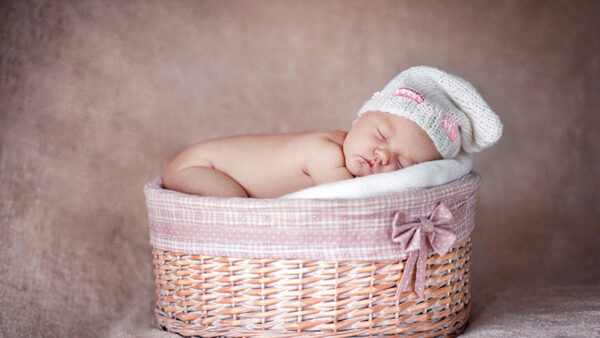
423	114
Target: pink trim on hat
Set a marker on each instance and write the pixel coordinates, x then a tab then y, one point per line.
410	94
450	126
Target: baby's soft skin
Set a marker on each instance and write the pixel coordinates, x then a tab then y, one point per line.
260	166
267	166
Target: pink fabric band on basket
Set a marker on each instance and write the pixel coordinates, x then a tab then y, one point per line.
352	229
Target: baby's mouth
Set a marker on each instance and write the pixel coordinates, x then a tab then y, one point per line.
370	163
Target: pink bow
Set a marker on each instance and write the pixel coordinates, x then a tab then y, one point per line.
415	235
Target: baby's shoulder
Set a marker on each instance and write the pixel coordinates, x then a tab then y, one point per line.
325	147
336	136
324	141
331	137
324	157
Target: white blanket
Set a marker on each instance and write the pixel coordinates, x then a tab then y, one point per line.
424	175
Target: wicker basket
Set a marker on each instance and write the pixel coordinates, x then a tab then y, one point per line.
209	296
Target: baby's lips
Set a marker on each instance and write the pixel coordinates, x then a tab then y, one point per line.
369	163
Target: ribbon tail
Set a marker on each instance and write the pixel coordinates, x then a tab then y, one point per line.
421	270
402	284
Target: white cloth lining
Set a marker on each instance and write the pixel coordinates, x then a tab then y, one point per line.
423	175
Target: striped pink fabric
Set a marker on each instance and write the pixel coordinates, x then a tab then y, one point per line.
338	229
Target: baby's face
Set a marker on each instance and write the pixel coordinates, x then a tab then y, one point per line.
381	142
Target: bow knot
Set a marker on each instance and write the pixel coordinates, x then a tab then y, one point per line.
416	236
427	225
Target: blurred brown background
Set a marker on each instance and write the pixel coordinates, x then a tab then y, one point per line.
97	96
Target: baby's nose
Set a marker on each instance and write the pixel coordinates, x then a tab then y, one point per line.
384	156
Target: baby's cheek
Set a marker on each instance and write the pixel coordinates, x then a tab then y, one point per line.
392	167
355	169
352	168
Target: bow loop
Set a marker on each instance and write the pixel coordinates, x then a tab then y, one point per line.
415	236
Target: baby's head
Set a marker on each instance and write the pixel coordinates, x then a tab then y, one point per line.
423	114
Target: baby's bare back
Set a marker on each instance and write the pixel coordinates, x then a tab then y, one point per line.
263	165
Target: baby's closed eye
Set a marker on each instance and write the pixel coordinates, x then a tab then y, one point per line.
380	135
400	163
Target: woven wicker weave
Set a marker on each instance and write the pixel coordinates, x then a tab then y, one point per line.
219	296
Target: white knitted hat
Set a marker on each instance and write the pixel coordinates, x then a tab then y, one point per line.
447	107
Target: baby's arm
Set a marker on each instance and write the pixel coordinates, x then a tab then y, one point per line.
200	178
327	163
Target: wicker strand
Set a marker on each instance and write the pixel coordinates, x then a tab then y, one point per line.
238	297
